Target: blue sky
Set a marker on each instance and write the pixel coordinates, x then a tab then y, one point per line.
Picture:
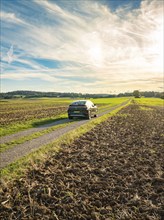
88	46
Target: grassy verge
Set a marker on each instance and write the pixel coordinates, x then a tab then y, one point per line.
145	108
150	101
11	129
35	135
19	168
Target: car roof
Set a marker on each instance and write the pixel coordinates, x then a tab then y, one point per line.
80	102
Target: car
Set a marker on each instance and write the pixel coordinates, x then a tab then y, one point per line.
82	109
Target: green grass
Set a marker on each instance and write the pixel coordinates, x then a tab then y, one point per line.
10	129
11	144
18	105
150	101
145	108
19	168
109	101
123	115
35	102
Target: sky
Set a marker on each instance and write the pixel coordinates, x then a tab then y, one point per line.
86	46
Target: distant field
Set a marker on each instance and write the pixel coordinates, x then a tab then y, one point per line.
20	110
150	101
19	114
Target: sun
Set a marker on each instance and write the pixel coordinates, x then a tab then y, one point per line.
96	55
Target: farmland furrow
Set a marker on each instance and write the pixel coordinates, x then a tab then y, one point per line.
8	118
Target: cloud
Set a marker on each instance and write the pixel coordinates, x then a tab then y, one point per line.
10	17
90	40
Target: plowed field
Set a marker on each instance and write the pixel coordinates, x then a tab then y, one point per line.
115	171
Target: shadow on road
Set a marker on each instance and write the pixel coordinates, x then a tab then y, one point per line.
47	123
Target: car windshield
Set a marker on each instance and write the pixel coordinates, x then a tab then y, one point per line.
79	103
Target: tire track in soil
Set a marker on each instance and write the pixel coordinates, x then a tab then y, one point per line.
25	148
114	171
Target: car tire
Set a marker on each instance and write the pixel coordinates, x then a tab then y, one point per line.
89	116
95	115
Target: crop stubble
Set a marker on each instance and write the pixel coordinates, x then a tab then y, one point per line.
115	171
8	118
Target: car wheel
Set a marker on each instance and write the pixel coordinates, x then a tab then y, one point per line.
89	116
95	115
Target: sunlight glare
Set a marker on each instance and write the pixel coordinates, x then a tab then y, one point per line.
95	53
157	47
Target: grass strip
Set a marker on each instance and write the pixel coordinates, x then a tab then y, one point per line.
11	129
18	168
150	101
11	144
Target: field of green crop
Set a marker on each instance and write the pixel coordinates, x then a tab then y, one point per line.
20	114
150	101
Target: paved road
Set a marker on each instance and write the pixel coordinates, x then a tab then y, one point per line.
27	147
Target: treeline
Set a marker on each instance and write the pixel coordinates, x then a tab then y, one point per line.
35	94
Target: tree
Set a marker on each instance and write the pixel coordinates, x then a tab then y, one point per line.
162	95
136	94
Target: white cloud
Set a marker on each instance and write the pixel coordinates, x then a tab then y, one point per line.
104	45
10	17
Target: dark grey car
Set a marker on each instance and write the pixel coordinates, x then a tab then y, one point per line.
83	109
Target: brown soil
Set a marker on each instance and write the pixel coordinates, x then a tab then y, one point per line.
115	171
9	118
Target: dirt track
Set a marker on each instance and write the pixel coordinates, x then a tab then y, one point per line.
115	171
